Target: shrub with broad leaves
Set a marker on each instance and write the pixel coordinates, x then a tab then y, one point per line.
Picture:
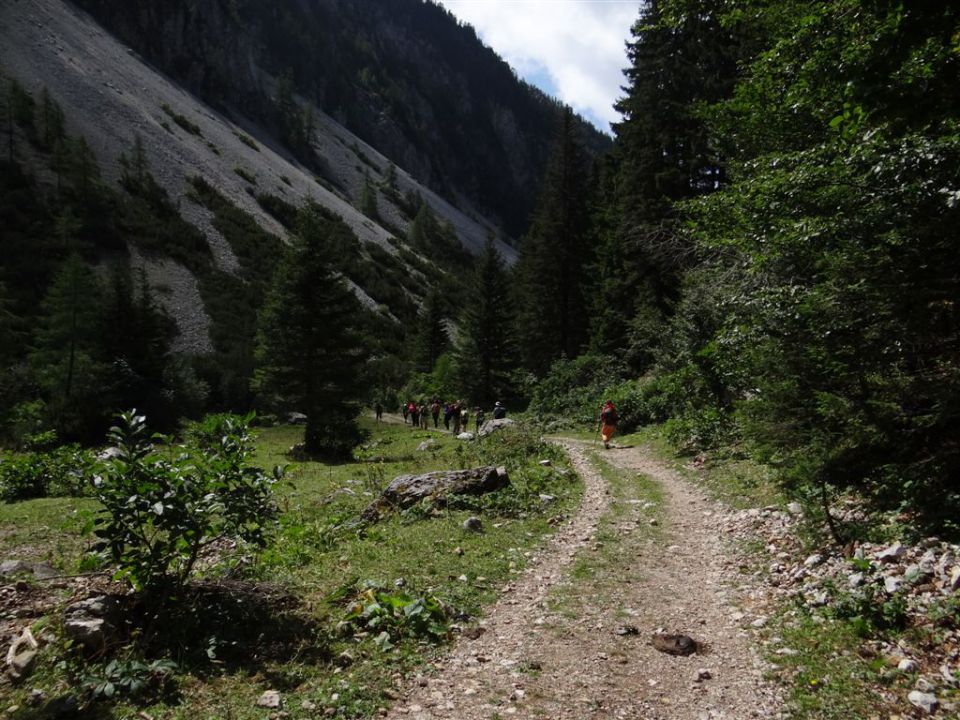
164	504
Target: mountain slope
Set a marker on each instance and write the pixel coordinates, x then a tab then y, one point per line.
112	98
401	74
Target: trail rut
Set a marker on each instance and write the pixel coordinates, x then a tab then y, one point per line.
571	637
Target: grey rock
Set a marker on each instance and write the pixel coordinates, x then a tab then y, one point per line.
92	633
891	553
545	463
296	418
407	490
907	665
21	665
925	701
924	685
40	571
855	579
795	508
101	606
547	499
954	583
473	524
426	445
813	560
891	584
270	699
674	644
493	426
465	436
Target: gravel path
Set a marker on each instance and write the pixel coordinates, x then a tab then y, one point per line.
571	639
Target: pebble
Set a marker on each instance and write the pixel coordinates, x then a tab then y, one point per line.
925	701
269	699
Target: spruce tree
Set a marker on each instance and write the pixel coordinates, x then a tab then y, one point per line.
485	352
431	340
309	354
67	358
553	315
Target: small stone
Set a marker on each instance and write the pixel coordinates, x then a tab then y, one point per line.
654	522
425	445
813	560
925	701
473	524
345	659
270	699
795	508
924	685
547	499
703	674
907	665
892	584
458	550
308	706
759	623
855	579
891	553
546	463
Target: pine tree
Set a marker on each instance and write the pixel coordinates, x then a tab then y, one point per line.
368	200
309	353
553	318
679	58
67	355
431	340
485	352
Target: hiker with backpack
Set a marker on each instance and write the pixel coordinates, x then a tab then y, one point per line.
608	423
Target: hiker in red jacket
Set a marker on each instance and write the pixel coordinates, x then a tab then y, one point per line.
608	423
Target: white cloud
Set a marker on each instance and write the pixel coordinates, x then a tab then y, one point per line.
578	44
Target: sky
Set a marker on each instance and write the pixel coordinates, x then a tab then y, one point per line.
571	49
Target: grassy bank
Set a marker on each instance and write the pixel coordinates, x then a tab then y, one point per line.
298	631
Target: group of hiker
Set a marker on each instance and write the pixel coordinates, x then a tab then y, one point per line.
456	414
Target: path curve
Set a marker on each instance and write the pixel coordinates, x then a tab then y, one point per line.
594	660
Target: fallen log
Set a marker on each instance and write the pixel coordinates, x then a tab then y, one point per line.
408	490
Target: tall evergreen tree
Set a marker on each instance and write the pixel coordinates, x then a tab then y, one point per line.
67	354
431	339
553	315
680	57
309	353
485	352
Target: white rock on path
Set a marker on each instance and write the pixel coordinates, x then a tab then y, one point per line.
925	701
270	699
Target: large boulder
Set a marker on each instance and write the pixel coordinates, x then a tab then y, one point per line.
491	426
408	490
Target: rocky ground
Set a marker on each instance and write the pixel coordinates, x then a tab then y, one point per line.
562	647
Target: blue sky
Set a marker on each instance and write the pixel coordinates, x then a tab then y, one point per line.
571	49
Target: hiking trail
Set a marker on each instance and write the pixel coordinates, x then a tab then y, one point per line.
570	637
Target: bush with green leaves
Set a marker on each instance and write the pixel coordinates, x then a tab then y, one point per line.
394	615
58	472
164	504
575	389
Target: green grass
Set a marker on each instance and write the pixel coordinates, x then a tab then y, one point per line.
316	551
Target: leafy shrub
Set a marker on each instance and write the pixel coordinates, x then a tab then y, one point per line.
58	472
131	679
575	389
870	611
163	506
395	616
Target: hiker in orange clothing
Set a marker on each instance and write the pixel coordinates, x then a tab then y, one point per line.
608	423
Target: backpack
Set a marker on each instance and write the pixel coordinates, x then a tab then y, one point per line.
609	415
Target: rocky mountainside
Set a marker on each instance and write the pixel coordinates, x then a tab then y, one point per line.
401	74
236	140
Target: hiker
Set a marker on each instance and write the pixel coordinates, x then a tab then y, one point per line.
465	418
499	411
378	410
424	416
480	417
447	413
455	414
608	423
414	411
435	411
405	409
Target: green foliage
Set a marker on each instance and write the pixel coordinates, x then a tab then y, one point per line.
137	680
549	290
486	352
394	615
45	472
575	389
162	506
246	175
309	353
181	120
870	611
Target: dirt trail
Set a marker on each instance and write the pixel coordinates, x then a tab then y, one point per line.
562	647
